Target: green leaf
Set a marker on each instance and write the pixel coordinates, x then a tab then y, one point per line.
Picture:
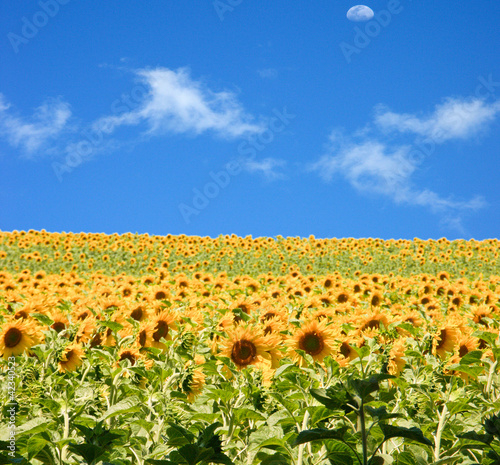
190	453
178	436
44	319
89	452
35	445
381	413
414	433
405	458
318	414
113	325
335	398
364	387
128	405
445	460
471	357
282	368
320	434
340	454
472	435
275	459
35	426
242	414
272	443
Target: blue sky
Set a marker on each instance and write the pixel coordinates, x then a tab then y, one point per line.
251	118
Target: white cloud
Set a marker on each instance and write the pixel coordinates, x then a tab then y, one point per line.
453	119
267	167
179	104
46	123
268	73
371	166
373	162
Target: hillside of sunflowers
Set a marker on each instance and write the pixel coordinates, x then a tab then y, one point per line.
162	350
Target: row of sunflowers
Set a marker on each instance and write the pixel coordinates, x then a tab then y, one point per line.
165	367
135	254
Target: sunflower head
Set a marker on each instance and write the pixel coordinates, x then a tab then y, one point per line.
246	345
17	336
72	358
315	339
445	341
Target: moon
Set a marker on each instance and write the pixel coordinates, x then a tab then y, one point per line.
360	13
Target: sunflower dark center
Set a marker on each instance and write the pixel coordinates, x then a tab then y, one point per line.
13	337
142	338
442	339
312	343
345	350
161	330
137	314
372	324
342	298
58	326
128	356
464	350
69	356
243	352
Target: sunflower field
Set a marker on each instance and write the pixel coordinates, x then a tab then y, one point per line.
165	350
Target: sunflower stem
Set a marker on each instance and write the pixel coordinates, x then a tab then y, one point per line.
490	378
85	374
64	448
302	446
437	443
362	426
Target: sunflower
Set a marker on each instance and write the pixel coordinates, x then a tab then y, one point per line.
71	358
145	335
445	340
396	360
376	299
17	336
315	339
133	355
193	381
85	329
480	314
137	312
246	345
61	322
163	322
346	353
466	344
373	321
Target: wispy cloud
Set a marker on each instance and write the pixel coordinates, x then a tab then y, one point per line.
32	134
268	73
177	103
454	119
373	163
267	167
